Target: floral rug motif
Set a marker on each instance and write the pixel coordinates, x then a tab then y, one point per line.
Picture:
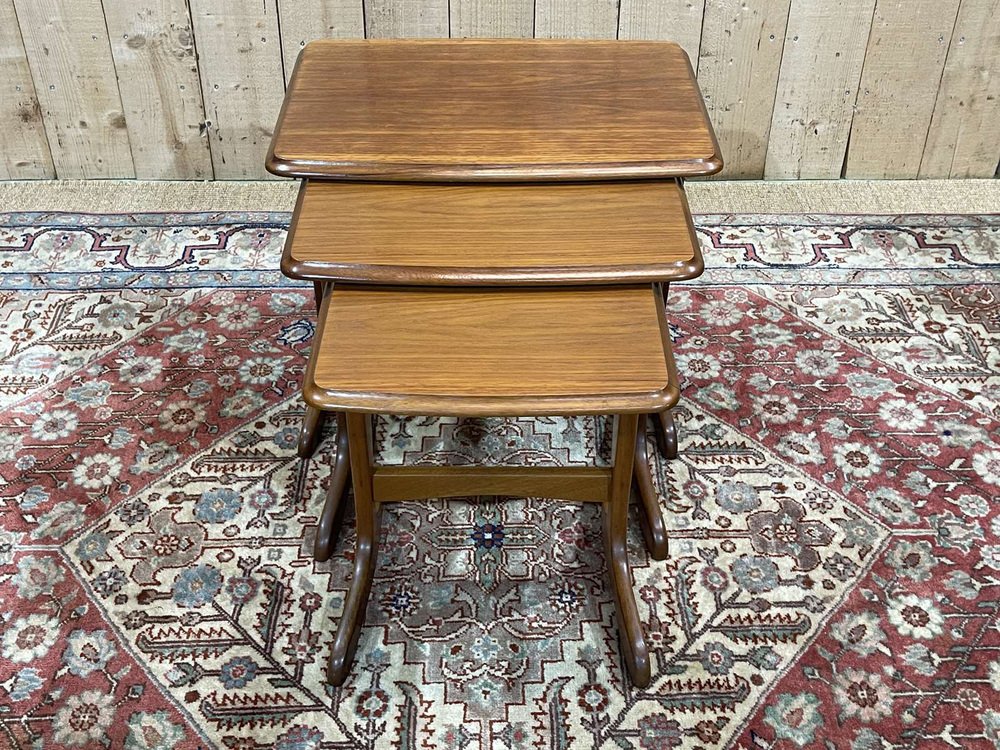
834	515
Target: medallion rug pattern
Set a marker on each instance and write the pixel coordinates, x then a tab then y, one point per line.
834	515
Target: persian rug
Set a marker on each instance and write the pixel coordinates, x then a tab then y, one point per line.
834	515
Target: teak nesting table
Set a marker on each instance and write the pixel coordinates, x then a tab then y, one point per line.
491	227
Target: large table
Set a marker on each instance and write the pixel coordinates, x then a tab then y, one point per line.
459	199
493	110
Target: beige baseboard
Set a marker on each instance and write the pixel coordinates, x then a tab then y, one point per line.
707	197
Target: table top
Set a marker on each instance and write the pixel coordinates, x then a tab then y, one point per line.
502	110
492	352
492	234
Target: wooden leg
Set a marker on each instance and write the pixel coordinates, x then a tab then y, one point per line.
634	649
653	530
312	422
309	433
663	425
367	513
329	521
666	434
319	290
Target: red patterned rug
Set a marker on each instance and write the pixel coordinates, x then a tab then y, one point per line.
834	576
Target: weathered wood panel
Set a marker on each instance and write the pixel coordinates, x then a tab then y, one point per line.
406	18
490	19
241	79
24	152
67	47
964	135
738	72
789	83
153	47
676	20
576	19
817	87
305	20
899	84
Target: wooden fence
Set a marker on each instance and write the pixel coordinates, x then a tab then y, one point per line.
189	89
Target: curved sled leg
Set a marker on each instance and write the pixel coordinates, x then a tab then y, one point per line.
666	434
312	427
329	520
367	514
634	651
654	531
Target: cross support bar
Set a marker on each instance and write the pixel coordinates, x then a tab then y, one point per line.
583	484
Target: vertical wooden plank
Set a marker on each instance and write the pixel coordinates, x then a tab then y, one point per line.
965	128
576	19
67	47
738	72
903	66
389	19
817	87
676	20
305	20
24	152
491	19
153	48
241	80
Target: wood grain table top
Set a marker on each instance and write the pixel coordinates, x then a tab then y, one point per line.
499	352
488	233
503	110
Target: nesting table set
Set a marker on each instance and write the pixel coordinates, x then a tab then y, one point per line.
491	227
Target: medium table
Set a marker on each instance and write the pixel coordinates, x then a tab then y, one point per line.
494	235
474	234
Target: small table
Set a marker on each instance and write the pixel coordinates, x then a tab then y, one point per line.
491	352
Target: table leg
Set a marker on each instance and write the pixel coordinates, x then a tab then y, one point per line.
663	425
319	290
368	514
666	434
329	520
309	433
634	650
312	421
653	529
